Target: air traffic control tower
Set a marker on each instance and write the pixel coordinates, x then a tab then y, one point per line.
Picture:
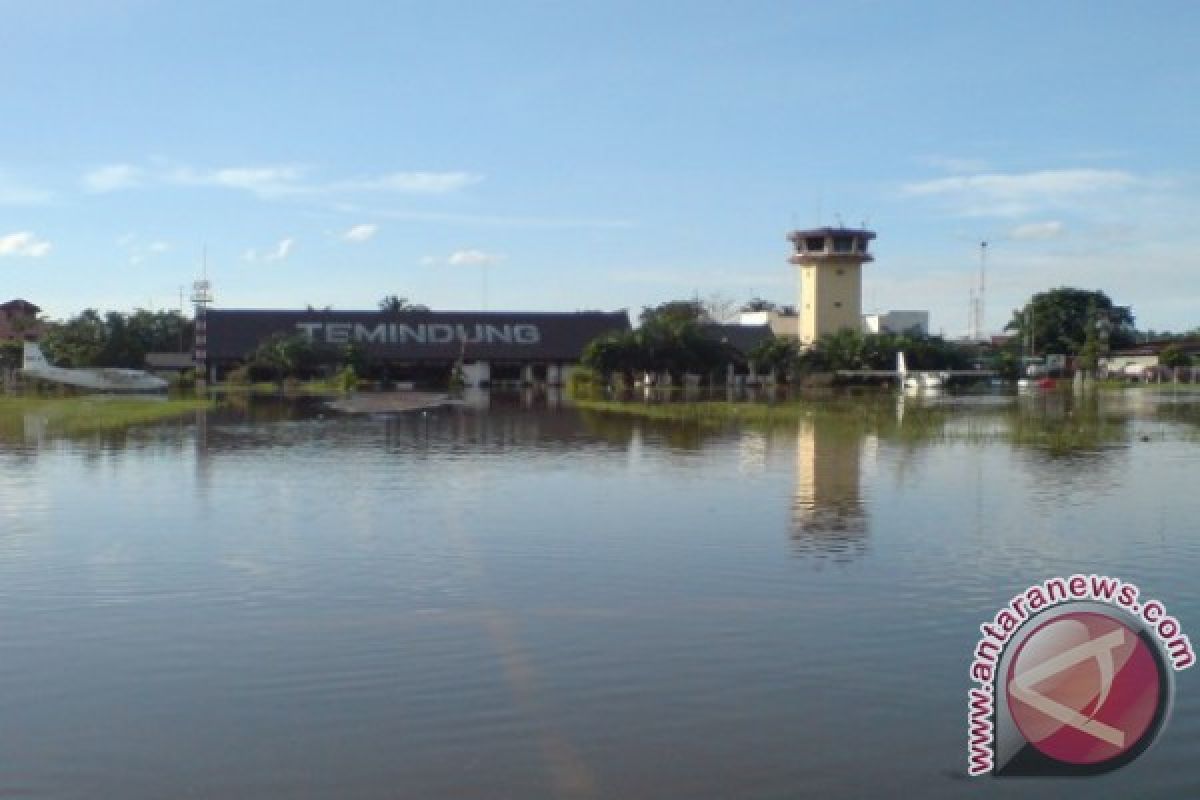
830	262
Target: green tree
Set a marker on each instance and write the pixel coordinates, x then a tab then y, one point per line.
281	356
115	339
663	344
843	349
78	342
676	311
354	356
1173	356
394	304
11	355
1058	321
852	350
613	354
776	355
160	331
1089	353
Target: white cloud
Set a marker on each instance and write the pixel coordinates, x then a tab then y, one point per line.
473	258
112	178
467	257
24	244
1016	194
1037	231
360	233
272	180
265	181
486	220
279	252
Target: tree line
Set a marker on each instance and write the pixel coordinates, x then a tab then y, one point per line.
678	338
116	339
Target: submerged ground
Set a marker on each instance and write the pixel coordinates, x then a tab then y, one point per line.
529	600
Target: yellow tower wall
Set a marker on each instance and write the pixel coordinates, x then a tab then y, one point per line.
830	298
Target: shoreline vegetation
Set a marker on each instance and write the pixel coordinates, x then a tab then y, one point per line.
85	414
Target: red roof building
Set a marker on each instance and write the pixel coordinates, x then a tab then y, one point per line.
18	320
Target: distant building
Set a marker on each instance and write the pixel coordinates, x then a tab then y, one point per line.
830	262
18	321
897	322
743	338
1141	359
781	321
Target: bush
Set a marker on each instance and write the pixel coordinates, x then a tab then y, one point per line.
458	380
345	380
1173	356
184	379
584	382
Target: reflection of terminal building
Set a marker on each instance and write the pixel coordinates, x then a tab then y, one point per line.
828	514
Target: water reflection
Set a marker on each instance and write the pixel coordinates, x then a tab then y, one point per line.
529	601
829	517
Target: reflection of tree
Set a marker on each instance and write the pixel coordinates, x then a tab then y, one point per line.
828	514
621	430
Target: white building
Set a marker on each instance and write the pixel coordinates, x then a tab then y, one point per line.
897	322
783	322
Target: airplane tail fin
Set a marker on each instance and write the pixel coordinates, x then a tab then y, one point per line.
901	365
34	360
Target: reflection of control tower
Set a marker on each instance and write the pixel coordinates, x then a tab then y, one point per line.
828	515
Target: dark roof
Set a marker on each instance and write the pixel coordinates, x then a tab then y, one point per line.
742	338
169	361
420	335
1156	346
830	231
20	305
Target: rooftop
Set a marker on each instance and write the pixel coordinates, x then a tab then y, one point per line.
19	305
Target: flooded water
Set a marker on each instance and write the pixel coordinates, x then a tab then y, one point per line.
543	603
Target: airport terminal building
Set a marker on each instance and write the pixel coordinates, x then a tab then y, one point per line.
495	347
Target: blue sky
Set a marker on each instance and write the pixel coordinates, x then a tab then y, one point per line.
600	155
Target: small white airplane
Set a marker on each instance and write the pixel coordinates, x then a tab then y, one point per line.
917	379
97	380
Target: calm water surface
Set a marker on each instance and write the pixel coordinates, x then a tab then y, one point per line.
539	603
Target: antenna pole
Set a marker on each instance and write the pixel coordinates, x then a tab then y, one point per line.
971	306
982	288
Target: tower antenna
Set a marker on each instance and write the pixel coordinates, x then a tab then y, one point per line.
201	299
982	314
972	310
